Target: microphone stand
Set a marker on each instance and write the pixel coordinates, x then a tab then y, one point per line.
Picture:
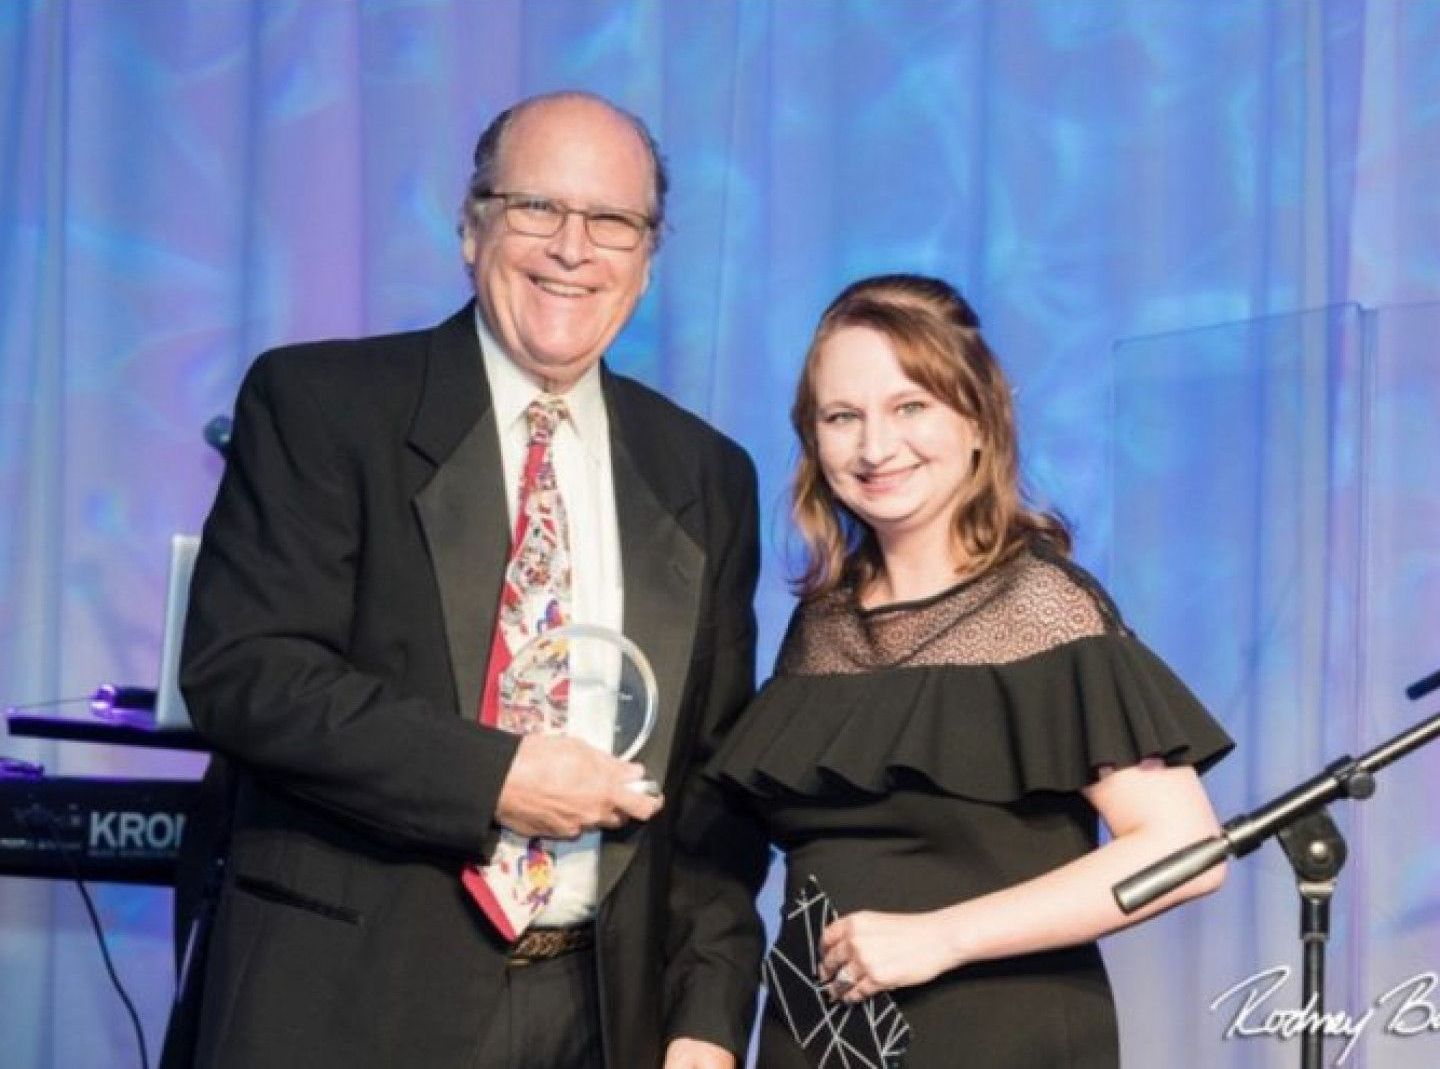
1312	843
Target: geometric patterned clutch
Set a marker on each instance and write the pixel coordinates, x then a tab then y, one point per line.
836	1035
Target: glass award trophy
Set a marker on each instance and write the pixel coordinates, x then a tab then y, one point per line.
610	688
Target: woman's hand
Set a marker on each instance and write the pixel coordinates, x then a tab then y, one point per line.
866	953
685	1053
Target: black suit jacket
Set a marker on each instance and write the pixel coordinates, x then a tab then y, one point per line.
335	650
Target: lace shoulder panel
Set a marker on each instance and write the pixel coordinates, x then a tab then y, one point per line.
1031	604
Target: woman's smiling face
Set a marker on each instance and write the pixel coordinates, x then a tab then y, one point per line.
895	454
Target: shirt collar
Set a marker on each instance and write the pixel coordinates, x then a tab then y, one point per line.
511	392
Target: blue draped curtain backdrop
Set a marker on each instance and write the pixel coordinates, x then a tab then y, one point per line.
1204	238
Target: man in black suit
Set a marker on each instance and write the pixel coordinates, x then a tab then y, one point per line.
339	630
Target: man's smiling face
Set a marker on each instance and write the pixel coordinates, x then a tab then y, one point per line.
556	303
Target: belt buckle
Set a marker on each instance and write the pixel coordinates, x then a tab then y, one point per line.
546	944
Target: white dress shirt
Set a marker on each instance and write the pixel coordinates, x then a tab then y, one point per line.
581	453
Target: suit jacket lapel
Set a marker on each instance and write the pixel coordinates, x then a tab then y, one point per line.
663	569
462	508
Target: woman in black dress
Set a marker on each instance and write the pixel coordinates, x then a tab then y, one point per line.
955	707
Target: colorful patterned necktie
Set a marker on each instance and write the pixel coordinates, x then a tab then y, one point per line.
517	882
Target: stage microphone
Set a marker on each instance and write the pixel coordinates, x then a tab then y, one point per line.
1421	687
217	434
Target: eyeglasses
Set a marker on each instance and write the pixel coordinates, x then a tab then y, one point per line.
541	217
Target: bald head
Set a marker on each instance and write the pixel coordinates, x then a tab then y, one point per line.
492	142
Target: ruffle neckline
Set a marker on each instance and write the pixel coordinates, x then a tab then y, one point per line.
990	733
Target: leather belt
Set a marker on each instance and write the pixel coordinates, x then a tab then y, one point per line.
543	944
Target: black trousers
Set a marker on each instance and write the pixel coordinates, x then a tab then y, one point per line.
548	1017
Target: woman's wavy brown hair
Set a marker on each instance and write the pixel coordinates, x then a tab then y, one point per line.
936	338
